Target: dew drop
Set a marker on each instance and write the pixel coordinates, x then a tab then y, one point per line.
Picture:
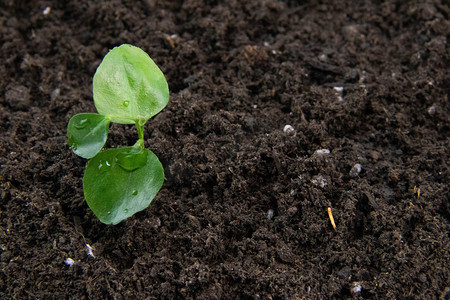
132	159
126	103
103	166
135	192
82	124
108	213
125	210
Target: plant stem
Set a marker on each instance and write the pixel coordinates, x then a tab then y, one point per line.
140	129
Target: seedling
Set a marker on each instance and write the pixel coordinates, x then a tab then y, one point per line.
128	89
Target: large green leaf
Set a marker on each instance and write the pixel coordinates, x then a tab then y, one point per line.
120	182
129	86
87	133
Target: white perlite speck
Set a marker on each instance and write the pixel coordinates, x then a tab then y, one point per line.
432	109
288	129
355	170
89	251
320	181
270	214
356	287
69	261
339	90
322	152
55	93
46	10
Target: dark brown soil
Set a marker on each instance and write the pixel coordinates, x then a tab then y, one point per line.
243	212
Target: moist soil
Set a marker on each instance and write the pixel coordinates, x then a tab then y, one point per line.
243	212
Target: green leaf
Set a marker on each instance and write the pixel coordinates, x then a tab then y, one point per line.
129	86
87	133
120	182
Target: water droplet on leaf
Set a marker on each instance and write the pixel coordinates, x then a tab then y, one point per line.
126	103
82	124
103	166
135	192
132	159
125	210
108	213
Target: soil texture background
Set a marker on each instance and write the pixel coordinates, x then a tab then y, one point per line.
243	213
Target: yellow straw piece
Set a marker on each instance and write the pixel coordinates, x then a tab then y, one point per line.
330	215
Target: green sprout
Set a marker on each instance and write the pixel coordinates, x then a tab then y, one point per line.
128	88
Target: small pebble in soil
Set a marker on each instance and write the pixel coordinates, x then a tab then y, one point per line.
289	130
322	152
249	122
156	223
292	211
18	97
319	181
356	287
270	214
89	251
69	261
345	272
355	170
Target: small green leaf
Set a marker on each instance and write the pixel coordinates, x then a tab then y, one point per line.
120	182
129	86
87	133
